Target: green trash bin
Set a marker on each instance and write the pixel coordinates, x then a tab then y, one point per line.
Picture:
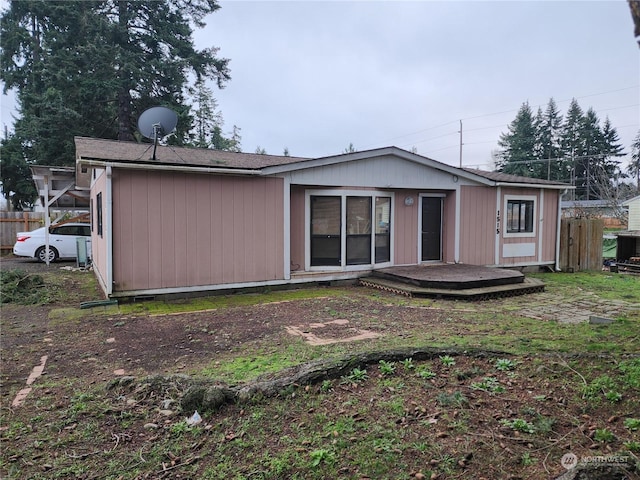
82	252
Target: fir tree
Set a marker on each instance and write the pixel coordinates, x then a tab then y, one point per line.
518	145
548	141
571	141
88	68
16	176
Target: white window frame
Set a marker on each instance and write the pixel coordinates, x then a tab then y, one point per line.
531	234
343	194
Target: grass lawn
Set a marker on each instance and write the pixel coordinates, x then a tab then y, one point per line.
505	395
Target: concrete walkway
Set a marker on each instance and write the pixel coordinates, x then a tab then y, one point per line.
577	309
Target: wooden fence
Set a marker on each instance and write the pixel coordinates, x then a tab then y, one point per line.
13	222
581	244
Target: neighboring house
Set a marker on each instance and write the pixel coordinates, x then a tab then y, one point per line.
198	220
628	242
608	210
633	204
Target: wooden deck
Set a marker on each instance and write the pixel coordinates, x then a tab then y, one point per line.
458	281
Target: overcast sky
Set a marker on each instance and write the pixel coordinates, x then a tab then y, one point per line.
316	76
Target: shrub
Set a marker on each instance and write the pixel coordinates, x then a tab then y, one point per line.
18	286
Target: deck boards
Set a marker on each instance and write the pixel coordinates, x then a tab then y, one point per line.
451	277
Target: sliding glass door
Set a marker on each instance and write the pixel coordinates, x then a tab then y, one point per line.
358	230
349	230
383	229
326	242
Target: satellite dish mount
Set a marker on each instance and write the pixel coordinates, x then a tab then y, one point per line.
156	123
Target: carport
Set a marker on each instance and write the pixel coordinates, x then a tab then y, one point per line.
57	191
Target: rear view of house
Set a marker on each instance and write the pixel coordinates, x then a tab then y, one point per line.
199	220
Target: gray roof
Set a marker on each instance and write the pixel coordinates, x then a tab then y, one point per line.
588	204
506	178
101	150
141	153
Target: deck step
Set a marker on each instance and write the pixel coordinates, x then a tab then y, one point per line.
450	276
529	285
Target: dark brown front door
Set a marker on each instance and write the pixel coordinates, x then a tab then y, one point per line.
431	229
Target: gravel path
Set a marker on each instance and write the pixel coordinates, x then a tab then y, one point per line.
9	262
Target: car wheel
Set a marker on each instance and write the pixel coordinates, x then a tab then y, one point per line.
41	254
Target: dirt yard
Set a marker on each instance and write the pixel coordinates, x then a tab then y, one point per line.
449	423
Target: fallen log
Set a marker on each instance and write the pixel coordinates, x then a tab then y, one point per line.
209	395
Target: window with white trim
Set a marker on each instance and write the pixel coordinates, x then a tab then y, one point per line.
520	215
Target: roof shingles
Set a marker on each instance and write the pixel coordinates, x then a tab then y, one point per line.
507	178
142	153
132	152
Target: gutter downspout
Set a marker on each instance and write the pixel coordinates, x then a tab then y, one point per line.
109	230
557	266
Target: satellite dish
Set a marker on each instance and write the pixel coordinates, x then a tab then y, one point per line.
157	122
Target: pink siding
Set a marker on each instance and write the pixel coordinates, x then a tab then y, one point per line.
449	227
405	231
179	230
550	218
477	225
506	241
99	243
297	228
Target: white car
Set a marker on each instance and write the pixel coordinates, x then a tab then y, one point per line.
62	241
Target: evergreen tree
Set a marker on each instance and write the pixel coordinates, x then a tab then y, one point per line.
235	140
16	176
548	141
350	149
518	145
89	67
587	163
571	141
608	163
208	122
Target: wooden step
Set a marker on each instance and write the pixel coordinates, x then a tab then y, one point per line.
529	285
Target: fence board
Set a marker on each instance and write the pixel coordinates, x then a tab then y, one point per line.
13	222
581	244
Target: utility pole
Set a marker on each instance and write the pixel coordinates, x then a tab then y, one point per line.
460	143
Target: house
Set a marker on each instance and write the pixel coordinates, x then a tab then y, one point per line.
198	220
610	211
633	204
628	242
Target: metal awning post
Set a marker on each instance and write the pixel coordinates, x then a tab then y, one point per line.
47	203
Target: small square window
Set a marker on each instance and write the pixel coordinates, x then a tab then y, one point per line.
520	216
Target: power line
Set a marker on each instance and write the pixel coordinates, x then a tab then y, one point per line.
390	140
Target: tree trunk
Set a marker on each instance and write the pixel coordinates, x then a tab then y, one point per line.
125	130
209	395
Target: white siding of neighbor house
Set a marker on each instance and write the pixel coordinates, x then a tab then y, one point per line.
634	214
